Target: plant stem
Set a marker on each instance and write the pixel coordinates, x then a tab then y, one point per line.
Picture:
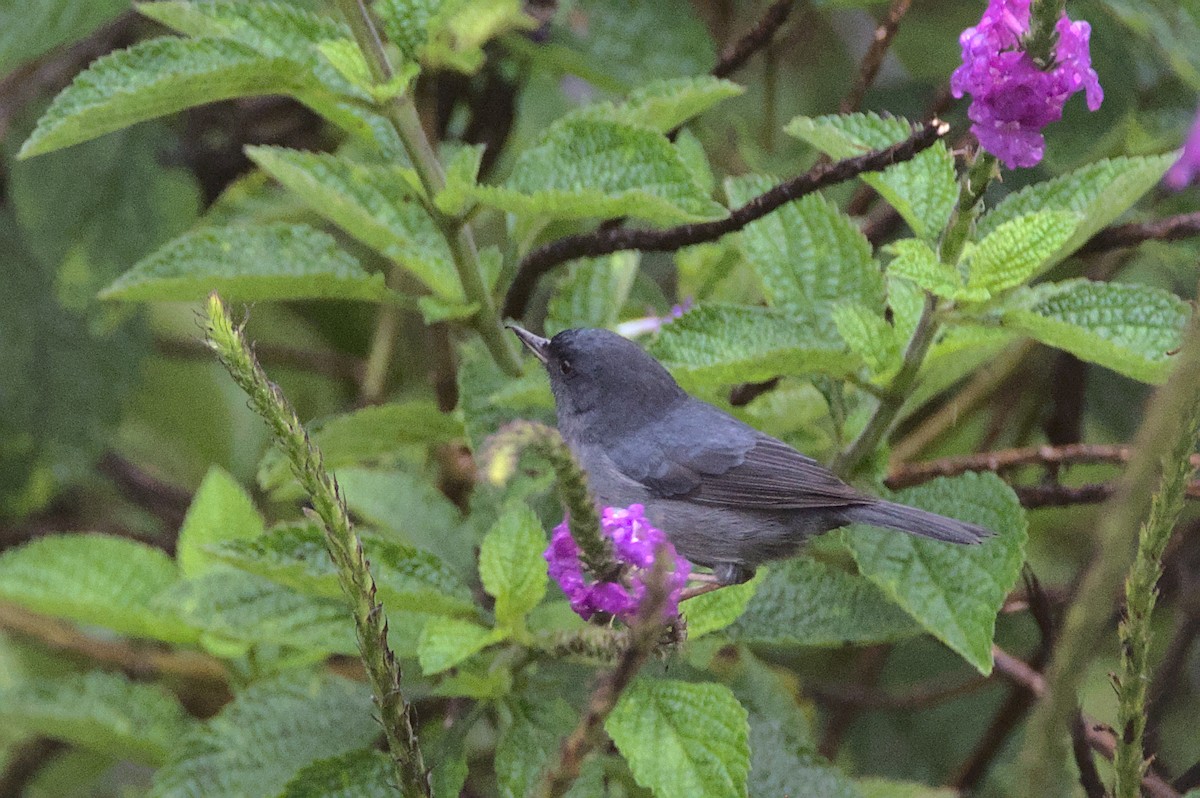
401	112
1141	594
1046	753
345	548
958	231
379	357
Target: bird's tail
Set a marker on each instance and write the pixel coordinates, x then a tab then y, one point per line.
917	522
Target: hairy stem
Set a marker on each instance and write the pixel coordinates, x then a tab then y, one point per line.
1141	593
345	548
1046	753
401	112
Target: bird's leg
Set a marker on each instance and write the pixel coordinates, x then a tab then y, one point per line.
707	579
707	586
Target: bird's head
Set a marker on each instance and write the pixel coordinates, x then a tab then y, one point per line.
597	375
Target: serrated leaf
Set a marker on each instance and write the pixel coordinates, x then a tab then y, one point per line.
462	173
95	579
445	642
98	711
808	255
721	344
450	33
783	756
249	263
712	612
511	565
533	727
273	29
915	261
363	436
366	773
589	168
691	151
592	292
663	105
869	336
155	78
409	506
804	602
1098	193
923	190
953	591
249	610
221	510
1130	329
294	555
479	380
270	731
372	202
682	739
1018	250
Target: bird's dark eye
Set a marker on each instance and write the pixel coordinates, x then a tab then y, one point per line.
564	366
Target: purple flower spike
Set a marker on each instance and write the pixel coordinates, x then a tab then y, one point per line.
1012	97
635	542
1186	170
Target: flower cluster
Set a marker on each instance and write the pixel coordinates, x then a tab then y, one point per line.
1013	97
1186	170
635	543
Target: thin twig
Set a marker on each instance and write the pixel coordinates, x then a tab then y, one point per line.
644	635
335	365
1089	777
909	474
757	38
25	761
1100	737
919	696
868	669
868	68
1171	228
603	242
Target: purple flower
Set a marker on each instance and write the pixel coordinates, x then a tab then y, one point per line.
1012	97
649	324
635	543
1186	170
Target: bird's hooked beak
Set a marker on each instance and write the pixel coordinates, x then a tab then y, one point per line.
534	343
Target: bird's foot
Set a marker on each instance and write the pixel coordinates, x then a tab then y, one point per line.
732	573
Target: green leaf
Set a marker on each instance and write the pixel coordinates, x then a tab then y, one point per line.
94	579
294	555
923	190
481	384
869	336
712	612
915	260
589	168
366	773
363	436
809	255
1097	193
664	105
682	739
592	292
805	602
1130	329
533	726
953	591
270	731
248	611
155	78
445	642
462	174
372	202
1018	250
249	263
221	510
721	344
450	33
411	507
511	565
783	755
42	25
98	711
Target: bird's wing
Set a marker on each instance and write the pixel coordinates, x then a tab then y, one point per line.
709	457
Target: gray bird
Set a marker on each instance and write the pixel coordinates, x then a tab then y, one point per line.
728	496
